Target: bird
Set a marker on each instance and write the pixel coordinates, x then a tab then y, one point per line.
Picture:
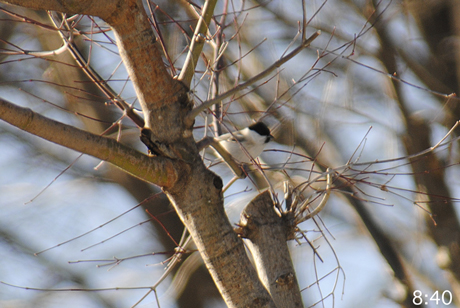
247	143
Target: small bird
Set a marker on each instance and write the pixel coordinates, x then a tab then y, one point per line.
253	139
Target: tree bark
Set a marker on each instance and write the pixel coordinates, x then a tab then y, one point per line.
267	233
158	170
197	193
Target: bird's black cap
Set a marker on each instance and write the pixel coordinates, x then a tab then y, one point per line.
260	128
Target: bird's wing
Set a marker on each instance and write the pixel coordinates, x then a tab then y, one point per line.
235	137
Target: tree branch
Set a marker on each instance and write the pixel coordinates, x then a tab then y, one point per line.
101	8
160	171
103	86
155	88
198	40
136	41
267	233
196	111
194	191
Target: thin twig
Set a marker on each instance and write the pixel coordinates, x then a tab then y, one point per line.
196	111
323	201
94	76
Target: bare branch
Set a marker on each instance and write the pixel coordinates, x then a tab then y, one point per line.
267	233
196	111
102	9
92	74
140	53
160	171
138	50
322	204
198	40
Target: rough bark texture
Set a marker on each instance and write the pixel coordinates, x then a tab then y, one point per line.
197	193
201	209
267	233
